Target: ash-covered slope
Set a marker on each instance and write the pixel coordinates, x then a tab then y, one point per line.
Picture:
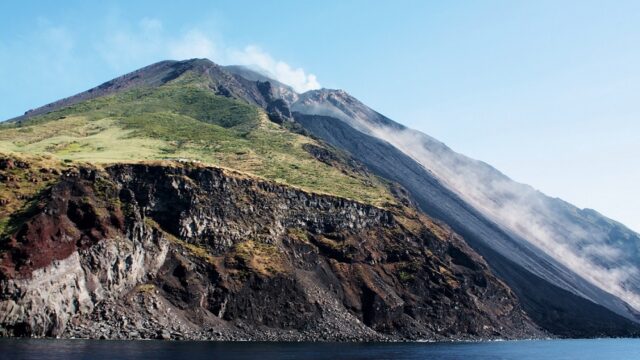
556	309
576	250
590	243
188	251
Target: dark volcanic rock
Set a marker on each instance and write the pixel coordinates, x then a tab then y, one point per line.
191	252
279	111
555	309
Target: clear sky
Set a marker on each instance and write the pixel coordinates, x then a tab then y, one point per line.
546	91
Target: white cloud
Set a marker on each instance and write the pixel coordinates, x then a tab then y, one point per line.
520	208
297	78
580	246
57	45
149	25
193	44
125	47
59	38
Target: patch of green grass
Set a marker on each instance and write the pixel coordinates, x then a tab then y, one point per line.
146	288
262	258
13	221
407	271
404	276
184	119
299	234
21	188
77	139
192	101
4	223
193	249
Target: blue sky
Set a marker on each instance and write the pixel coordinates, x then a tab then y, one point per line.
546	91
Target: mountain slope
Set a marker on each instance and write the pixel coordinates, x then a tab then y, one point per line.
236	118
539	282
560	236
191	251
601	251
185	119
121	219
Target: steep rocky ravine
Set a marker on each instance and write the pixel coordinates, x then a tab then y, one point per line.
171	250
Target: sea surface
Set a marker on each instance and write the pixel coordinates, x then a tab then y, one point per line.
609	349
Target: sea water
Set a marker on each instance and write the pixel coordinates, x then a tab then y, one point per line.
608	349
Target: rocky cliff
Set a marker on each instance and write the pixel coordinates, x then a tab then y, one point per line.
181	250
557	310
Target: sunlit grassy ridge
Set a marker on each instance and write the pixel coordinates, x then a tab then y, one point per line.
185	120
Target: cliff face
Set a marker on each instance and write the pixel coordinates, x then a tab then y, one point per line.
538	281
186	251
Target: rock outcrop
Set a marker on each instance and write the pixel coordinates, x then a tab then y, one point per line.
187	251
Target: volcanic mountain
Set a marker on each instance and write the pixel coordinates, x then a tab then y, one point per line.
192	200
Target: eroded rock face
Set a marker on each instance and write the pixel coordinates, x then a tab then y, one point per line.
72	253
186	251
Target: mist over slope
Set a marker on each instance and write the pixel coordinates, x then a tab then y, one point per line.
601	251
574	271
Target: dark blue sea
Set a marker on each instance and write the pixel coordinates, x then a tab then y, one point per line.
609	349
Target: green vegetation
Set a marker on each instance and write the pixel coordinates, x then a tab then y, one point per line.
188	100
262	258
146	288
193	249
343	250
298	234
185	120
404	276
407	271
10	223
21	186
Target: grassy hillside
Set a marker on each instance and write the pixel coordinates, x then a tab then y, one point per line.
184	120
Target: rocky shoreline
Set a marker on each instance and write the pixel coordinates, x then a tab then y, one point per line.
189	252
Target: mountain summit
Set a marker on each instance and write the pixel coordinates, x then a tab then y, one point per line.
192	200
